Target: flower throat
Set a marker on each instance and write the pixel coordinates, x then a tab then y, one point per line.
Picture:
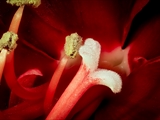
87	76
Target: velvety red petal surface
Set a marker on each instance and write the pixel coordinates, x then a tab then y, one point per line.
139	98
42	34
28	57
106	21
20	108
146	41
144	38
23	111
26	80
46	26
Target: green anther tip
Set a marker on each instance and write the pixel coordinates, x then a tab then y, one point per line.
34	3
8	41
72	45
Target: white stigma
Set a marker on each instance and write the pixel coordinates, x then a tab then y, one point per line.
108	78
90	53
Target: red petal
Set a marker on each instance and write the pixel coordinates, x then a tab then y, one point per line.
106	21
27	80
28	57
139	98
145	43
25	110
26	93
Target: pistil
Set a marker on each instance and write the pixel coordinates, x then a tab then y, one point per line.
87	76
71	47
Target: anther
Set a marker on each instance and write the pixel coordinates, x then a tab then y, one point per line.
34	3
72	45
8	41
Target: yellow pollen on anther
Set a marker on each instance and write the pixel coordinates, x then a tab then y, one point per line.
72	45
34	3
8	41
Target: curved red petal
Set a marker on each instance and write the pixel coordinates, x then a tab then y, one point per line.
145	43
29	57
139	98
26	80
26	93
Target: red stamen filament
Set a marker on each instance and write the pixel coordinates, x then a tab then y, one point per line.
53	84
26	93
13	28
16	20
71	47
3	55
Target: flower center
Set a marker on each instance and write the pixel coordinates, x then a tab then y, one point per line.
87	76
116	60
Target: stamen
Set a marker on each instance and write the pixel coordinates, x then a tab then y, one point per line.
71	48
3	55
16	20
86	77
34	3
53	84
72	45
8	41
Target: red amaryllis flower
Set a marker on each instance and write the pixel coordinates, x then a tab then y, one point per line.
130	51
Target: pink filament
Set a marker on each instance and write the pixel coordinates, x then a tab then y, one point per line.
3	55
16	20
53	84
